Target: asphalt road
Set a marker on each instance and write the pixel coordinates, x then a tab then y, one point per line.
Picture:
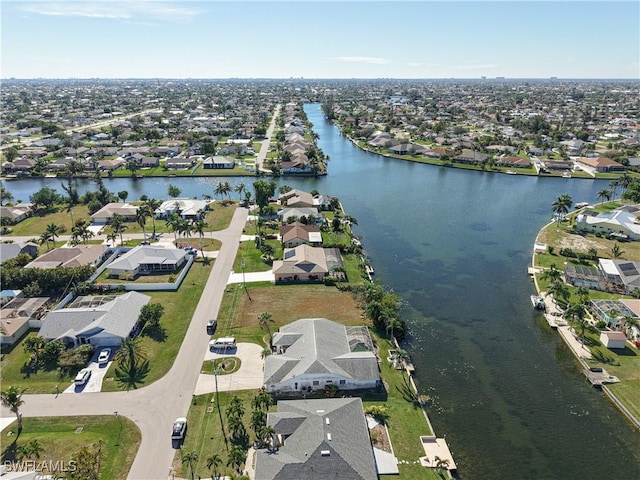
264	149
155	408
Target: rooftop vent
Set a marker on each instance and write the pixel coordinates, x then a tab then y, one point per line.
325	453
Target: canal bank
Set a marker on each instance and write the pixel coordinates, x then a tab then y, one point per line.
568	334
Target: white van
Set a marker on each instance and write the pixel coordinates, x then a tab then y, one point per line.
222	343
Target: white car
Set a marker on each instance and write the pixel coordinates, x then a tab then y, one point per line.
179	429
82	376
104	356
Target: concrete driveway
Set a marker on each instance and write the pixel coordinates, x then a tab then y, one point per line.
247	377
94	384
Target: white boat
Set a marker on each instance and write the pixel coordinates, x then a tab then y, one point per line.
537	302
511	172
566	175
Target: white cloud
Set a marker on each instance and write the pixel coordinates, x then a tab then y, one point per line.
421	64
117	10
374	60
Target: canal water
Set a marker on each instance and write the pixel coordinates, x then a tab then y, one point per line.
455	246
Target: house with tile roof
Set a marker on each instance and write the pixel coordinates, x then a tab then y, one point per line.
311	353
91	322
599	165
317	440
298	233
306	263
186	208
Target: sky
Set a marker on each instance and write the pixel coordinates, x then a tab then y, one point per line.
319	39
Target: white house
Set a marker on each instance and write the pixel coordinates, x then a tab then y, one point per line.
312	353
186	208
148	260
104	324
622	221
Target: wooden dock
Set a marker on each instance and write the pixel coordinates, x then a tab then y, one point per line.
598	376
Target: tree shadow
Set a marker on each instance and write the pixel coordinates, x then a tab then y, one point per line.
407	392
601	357
10	453
133	376
156	333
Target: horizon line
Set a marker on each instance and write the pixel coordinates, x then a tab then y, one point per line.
323	78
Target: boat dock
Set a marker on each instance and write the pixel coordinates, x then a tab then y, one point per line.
598	376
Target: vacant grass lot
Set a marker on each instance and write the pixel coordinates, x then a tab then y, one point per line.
239	314
58	437
37	224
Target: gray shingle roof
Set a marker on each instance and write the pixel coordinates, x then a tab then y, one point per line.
117	318
317	345
324	438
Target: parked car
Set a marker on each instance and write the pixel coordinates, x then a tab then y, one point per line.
82	377
179	429
211	326
104	356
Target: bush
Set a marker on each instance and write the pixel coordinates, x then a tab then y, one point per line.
330	281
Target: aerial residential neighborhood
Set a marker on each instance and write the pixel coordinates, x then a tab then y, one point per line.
108	294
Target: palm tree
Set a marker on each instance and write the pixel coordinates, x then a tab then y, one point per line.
616	251
614	186
35	347
174	224
131	352
263	320
266	435
583	294
11	398
32	448
604	193
190	458
237	457
198	227
213	462
142	213
152	204
577	313
400	357
441	464
118	226
561	207
552	274
258	421
559	290
51	233
240	188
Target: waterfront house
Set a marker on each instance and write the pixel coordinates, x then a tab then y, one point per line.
599	165
148	260
218	162
316	440
621	222
513	162
100	321
471	157
186	208
16	213
296	199
106	213
179	163
286	214
622	275
298	233
305	263
312	353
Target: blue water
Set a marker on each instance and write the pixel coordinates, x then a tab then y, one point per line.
455	245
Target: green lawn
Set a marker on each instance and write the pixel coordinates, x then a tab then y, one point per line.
14	371
219	216
60	439
36	225
253	257
178	310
